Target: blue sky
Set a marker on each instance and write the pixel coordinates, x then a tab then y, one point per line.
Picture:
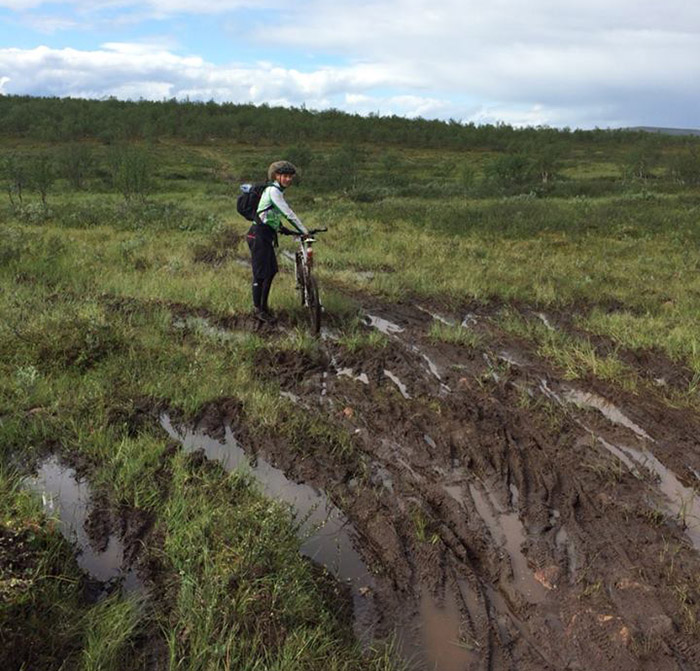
604	63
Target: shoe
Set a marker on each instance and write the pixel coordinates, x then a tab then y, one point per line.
265	317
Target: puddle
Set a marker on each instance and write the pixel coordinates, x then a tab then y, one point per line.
508	531
202	327
349	372
431	639
326	531
682	502
429	441
383	325
456	492
439	641
329	334
437	317
607	409
514	495
432	368
66	497
394	378
346	372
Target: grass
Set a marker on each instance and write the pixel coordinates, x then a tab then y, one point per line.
455	334
575	356
109	307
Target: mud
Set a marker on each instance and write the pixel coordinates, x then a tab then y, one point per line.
492	515
533	523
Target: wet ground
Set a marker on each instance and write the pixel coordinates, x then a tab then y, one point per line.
498	516
511	519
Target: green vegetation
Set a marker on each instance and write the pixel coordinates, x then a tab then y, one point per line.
120	279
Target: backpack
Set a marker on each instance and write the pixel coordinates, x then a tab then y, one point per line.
249	199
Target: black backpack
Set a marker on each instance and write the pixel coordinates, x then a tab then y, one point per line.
249	199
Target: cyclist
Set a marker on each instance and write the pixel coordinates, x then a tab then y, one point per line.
262	235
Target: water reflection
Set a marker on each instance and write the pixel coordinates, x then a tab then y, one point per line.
67	497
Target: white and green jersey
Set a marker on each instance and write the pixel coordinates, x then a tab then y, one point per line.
273	207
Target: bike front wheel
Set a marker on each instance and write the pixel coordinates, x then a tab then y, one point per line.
313	303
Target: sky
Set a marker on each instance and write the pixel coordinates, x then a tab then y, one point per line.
559	63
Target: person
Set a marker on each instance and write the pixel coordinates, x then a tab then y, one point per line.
262	235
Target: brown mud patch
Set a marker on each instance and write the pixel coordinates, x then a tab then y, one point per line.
483	493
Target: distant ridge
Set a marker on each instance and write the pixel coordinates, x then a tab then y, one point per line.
666	131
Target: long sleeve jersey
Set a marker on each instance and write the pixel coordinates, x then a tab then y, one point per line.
273	207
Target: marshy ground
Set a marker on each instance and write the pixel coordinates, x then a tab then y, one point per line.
488	460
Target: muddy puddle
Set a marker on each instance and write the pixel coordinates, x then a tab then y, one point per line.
609	410
438	638
508	532
383	325
68	498
203	327
426	634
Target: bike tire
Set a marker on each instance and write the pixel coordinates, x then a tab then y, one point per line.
299	275
313	302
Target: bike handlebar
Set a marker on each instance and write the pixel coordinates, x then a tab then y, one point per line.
313	231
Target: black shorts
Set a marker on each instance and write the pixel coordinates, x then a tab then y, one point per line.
261	242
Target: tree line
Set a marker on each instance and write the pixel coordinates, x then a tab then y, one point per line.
111	120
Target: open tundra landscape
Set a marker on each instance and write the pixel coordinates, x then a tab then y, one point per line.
489	459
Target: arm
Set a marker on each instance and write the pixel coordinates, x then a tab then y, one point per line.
281	204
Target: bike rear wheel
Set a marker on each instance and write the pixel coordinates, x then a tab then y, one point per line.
313	303
299	276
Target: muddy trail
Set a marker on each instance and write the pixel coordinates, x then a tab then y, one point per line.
498	516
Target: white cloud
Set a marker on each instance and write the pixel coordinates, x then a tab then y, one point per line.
543	55
592	62
141	70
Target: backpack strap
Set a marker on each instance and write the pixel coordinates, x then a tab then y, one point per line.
269	207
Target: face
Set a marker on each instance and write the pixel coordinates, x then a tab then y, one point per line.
285	180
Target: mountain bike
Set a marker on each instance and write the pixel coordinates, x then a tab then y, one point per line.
306	282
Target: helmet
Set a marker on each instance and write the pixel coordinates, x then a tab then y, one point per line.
281	168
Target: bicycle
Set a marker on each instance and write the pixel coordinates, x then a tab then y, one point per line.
306	282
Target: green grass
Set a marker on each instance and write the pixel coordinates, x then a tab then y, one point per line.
109	307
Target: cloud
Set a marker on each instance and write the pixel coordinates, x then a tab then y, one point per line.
544	55
142	70
578	63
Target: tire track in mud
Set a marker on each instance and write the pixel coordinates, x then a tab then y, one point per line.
510	518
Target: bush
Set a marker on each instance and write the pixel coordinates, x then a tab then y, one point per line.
508	170
131	171
685	167
75	162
